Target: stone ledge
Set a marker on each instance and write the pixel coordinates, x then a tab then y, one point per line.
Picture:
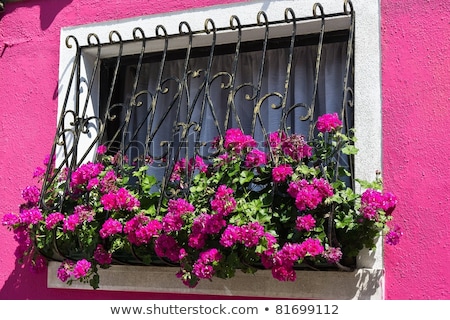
362	284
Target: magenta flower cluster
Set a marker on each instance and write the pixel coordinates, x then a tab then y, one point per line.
328	122
282	262
141	229
173	220
293	146
31	195
333	254
102	256
223	202
86	174
393	236
29	215
249	235
195	164
29	211
73	270
308	195
203	267
121	199
305	223
110	227
236	141
281	173
372	201
255	158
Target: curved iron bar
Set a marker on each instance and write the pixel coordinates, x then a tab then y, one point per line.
50	173
182	85
108	114
257	95
81	123
148	119
133	104
317	70
347	100
235	24
152	108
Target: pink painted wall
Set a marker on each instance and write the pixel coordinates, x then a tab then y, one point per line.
416	111
416	144
29	57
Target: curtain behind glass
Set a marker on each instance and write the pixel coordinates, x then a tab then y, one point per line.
182	115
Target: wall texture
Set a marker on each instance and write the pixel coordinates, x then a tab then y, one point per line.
416	113
416	145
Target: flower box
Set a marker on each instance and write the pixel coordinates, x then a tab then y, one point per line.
361	284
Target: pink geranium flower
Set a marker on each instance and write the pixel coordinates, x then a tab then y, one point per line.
328	122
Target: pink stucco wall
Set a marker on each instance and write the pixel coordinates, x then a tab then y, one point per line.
416	110
416	144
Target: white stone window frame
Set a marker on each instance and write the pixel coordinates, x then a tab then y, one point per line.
367	282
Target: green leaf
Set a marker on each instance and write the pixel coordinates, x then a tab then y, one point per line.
245	177
306	171
95	281
377	185
345	222
344	172
349	149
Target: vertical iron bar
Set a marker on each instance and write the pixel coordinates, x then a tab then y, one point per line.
51	170
231	106
317	71
108	108
182	85
158	89
125	145
349	69
257	107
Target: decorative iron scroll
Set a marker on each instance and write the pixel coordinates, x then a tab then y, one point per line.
131	127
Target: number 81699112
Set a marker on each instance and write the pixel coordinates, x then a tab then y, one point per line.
307	309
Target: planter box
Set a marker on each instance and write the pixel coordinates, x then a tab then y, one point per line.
361	284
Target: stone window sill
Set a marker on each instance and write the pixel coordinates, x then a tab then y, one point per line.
362	284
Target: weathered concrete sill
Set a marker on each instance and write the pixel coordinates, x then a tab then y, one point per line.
362	284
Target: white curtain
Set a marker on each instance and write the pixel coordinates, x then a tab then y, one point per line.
162	107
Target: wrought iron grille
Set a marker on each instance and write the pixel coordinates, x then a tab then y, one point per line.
130	121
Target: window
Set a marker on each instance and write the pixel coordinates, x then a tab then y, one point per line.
139	70
181	91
